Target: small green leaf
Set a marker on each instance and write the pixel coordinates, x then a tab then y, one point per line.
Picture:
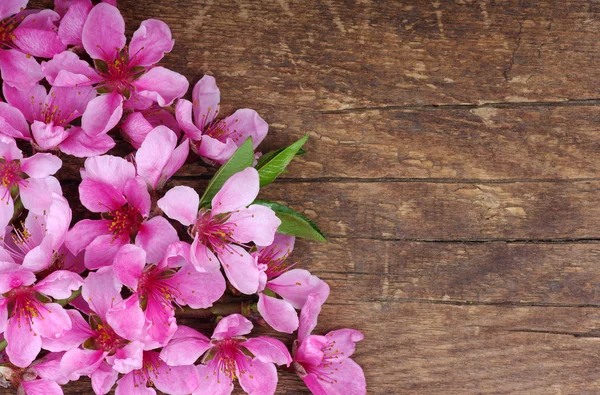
101	66
276	163
293	223
241	159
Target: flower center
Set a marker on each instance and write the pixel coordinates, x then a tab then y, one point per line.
24	305
119	73
275	266
230	360
154	287
125	221
144	376
106	339
10	174
213	231
7	26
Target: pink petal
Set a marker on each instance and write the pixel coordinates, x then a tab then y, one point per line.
128	358
154	236
202	258
177	160
77	362
14	276
59	284
40	257
66	69
177	255
127	319
216	150
282	246
256	223
259	379
52	321
231	326
49	368
345	342
101	290
129	265
72	101
71	24
138	124
206	97
161	85
185	347
210	384
37	35
267	349
181	204
176	380
101	252
136	193
245	123
198	290
41	387
29	102
161	323
104	378
99	197
308	316
36	193
23	344
349	378
102	113
131	384
154	154
3	314
58	220
183	113
79	333
41	165
239	191
81	145
240	268
11	7
7	208
84	232
278	313
295	286
150	43
111	170
104	32
310	352
48	136
13	123
19	70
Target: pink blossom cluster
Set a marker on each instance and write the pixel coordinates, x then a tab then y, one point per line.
103	296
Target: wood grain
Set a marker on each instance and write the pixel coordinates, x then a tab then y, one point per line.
453	163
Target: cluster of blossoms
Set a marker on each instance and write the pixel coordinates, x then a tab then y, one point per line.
100	296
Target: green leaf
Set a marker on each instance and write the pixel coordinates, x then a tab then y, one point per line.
293	223
276	163
241	159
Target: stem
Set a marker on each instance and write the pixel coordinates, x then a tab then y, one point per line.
64	302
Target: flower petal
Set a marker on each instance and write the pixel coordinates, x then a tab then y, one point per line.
154	236
84	232
210	384
239	191
101	252
41	165
36	35
198	290
309	315
52	321
206	97
161	85
59	284
77	362
111	170
245	123
240	268
129	265
150	43
47	135
68	70
104	378
267	349
154	154
41	387
136	193
295	286
102	113
103	34
71	24
186	346
12	122
7	208
101	290
79	333
177	160
99	197
349	378
40	257
278	313
256	223
11	7
231	326
183	114
23	344
202	258
19	70
81	145
128	358
130	384
260	378
181	204
176	380
36	193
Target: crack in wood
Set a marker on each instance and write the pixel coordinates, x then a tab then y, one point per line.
581	240
507	304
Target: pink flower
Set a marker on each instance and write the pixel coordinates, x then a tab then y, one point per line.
37	243
102	348
127	72
323	362
24	35
159	157
41	377
217	140
158	287
136	126
50	115
111	187
176	380
221	233
229	356
293	286
33	317
36	190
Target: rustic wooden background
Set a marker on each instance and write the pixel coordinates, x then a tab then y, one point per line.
453	164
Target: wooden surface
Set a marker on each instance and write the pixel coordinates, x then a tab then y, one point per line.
453	164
